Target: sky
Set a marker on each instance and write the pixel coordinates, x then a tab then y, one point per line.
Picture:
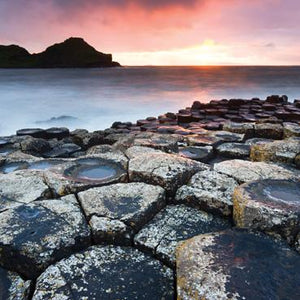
162	32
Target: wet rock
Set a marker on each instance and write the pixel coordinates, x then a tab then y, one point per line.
22	187
63	150
278	151
167	170
269	131
202	154
291	129
234	150
233	265
175	223
297	243
45	164
35	146
272	206
12	286
37	234
105	273
34	132
108	152
4	142
8	167
6	150
244	171
119	210
209	191
81	174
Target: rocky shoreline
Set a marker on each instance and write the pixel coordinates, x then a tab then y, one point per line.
202	204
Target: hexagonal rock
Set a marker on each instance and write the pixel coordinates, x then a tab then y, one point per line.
135	151
22	187
234	150
209	191
12	286
203	154
175	223
84	173
229	137
62	150
164	142
236	264
277	151
297	243
241	128
106	273
119	210
108	152
35	235
272	206
167	170
202	140
244	171
269	131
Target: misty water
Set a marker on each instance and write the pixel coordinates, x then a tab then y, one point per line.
95	98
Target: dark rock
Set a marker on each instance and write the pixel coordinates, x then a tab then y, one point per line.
104	273
72	53
35	235
34	132
63	150
35	146
12	286
234	150
233	265
175	223
57	133
9	167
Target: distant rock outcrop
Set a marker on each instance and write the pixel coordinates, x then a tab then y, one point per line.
72	53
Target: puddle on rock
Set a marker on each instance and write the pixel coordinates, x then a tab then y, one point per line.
94	170
13	166
44	164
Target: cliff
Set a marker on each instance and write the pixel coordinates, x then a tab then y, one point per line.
72	53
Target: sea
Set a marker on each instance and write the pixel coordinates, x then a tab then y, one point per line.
95	98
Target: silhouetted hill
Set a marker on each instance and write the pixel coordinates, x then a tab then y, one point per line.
72	53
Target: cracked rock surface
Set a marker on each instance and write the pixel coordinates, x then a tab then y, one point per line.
175	223
12	286
37	234
236	265
119	210
106	272
209	191
168	171
272	206
244	171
